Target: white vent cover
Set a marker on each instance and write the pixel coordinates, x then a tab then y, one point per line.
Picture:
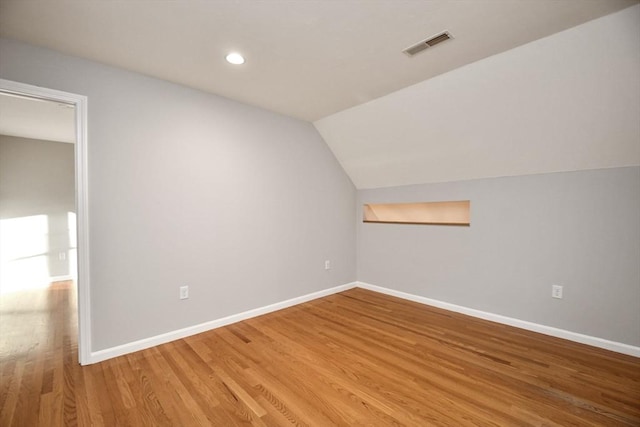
427	43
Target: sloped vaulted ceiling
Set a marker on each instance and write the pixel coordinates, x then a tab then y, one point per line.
567	102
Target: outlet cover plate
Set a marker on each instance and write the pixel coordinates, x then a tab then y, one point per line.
556	291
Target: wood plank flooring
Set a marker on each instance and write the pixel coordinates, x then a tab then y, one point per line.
349	359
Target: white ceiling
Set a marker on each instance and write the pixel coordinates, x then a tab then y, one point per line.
36	118
525	86
307	59
567	102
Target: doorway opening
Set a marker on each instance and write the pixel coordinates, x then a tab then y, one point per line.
44	268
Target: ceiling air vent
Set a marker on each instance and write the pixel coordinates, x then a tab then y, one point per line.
430	42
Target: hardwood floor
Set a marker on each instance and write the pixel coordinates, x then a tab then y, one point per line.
354	358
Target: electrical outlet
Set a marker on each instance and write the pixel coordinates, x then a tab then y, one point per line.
327	265
184	292
62	256
556	291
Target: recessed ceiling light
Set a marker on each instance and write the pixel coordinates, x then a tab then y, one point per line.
235	58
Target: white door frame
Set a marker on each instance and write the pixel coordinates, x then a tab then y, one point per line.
82	201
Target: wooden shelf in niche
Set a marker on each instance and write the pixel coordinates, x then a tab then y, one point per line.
433	213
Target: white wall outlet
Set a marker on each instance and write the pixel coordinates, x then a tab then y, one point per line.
327	265
62	256
556	291
184	292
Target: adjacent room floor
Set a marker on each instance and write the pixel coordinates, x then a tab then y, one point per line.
354	358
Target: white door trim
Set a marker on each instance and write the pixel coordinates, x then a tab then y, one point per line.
82	201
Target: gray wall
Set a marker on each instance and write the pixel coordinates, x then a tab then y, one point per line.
37	178
577	229
245	205
241	204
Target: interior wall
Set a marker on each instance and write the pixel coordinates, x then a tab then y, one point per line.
187	188
36	179
580	230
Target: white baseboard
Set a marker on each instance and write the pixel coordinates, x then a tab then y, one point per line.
99	356
522	324
61	278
